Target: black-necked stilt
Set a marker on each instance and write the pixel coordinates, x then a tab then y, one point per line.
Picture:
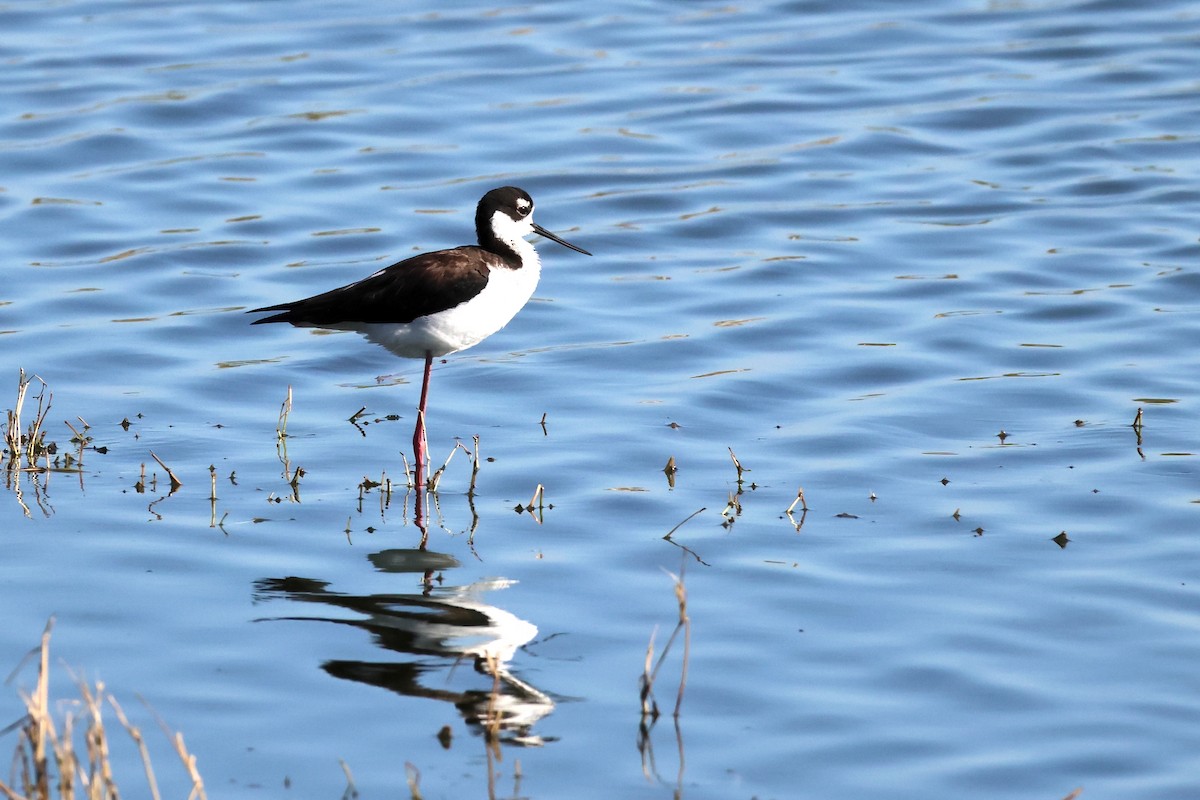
438	303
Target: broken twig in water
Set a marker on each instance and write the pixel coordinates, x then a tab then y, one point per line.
175	482
539	494
680	525
800	499
738	465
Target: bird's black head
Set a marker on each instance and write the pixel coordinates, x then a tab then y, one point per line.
515	203
517	206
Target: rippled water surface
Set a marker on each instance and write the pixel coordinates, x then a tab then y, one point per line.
925	262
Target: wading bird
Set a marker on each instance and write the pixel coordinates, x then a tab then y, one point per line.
438	303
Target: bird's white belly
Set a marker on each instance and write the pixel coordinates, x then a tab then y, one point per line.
463	326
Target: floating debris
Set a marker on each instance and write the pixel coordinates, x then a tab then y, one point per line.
445	736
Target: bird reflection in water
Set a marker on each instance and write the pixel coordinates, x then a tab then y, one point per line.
435	631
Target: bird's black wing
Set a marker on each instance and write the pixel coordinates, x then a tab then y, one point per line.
416	287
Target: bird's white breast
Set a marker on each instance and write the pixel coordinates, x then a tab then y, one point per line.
467	324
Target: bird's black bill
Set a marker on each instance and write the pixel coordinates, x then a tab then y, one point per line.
540	231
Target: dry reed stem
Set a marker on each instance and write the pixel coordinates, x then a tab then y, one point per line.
12	434
284	411
41	725
135	733
351	788
413	775
188	760
175	482
680	525
436	479
799	499
737	464
536	506
646	681
79	437
474	466
408	474
539	495
101	782
686	622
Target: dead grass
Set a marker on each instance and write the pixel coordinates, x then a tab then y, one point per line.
650	712
21	443
651	668
66	755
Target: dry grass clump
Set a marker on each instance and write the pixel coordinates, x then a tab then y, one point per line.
27	444
47	762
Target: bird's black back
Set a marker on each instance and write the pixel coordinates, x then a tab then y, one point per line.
416	287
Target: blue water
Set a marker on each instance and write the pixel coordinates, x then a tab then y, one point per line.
924	263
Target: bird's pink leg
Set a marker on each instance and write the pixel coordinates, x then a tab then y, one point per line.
420	447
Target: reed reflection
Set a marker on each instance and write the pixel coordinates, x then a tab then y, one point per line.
434	631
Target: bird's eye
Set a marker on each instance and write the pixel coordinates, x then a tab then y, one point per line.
523	208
